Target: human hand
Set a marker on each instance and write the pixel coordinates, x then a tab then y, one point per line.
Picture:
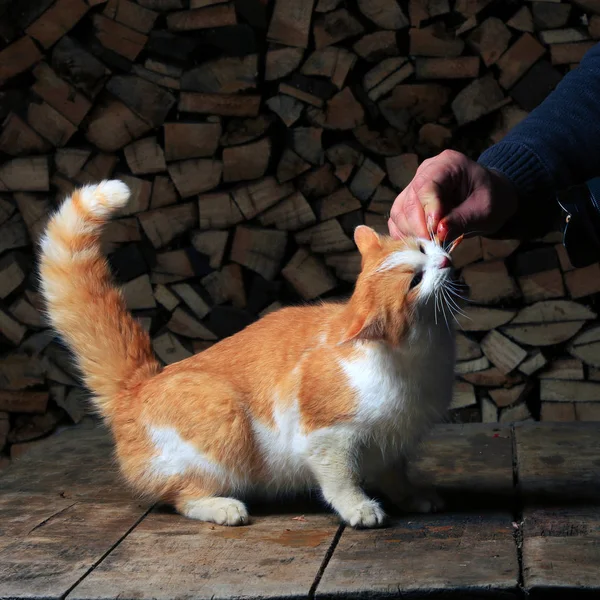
454	196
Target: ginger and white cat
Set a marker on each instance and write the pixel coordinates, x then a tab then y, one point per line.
332	396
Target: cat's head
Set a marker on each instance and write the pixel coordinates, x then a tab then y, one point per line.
400	281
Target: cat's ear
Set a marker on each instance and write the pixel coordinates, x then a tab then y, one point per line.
366	239
363	328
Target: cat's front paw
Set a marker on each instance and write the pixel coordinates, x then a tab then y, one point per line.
367	514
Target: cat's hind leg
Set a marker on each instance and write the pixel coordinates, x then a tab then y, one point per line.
195	503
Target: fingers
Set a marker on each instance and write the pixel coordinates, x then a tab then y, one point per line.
427	198
491	203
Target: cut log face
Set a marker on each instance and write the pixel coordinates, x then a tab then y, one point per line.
308	275
195	176
260	250
191	140
503	353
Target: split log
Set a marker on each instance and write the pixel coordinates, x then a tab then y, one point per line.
288	109
477	318
503	353
290	23
138	293
149	101
586	346
226	285
119	38
534	362
479	98
248	161
463	395
377	46
260	250
291	214
208	17
17	138
386	14
226	105
211	243
242	131
466	348
131	14
145	156
256	197
542	286
474	365
461	67
166	298
489	282
25	175
327	236
469	251
163	225
434	40
507	397
70	161
569	391
522	20
493	249
227	75
583	282
366	180
493	378
169	349
340	202
195	176
308	275
402	169
490	40
281	61
334	27
564	368
112	125
192	299
18	57
57	21
23	402
61	96
331	62
217	211
515	62
172	266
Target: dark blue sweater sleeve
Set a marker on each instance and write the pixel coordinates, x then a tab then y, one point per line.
558	143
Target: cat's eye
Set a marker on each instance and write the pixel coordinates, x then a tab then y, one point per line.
416	280
422	249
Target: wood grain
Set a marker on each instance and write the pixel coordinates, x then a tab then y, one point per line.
63	506
168	556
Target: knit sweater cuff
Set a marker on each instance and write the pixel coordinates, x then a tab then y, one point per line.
521	166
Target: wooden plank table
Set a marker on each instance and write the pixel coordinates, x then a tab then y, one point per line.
522	518
559	478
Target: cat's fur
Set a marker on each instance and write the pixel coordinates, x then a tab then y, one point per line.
331	395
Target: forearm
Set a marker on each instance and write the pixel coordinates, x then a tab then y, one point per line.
558	144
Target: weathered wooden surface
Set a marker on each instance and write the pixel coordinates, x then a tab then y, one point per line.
171	557
454	552
559	462
62	508
70	529
559	473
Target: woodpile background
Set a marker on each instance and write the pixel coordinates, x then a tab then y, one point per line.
256	135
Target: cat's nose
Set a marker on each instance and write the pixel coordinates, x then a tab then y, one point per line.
445	263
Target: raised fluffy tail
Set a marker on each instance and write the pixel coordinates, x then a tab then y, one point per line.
84	306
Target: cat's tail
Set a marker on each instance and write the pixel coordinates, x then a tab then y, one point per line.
113	351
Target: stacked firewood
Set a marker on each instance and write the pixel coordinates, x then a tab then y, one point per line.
255	136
